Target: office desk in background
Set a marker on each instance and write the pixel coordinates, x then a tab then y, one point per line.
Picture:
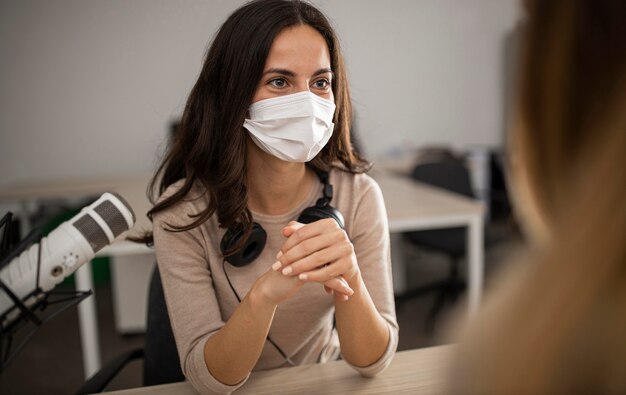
410	206
422	371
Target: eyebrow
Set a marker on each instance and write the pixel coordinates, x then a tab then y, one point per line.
290	73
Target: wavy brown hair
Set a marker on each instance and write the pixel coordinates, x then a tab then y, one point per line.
557	324
209	147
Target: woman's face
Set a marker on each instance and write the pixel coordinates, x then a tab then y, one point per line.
298	61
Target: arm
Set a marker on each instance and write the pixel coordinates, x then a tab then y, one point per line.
233	351
216	356
369	234
363	333
366	323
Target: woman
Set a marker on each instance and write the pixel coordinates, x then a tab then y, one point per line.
263	205
557	325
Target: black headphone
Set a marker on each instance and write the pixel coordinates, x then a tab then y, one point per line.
256	241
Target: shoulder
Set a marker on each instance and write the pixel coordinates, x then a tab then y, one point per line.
171	190
196	191
353	187
358	197
194	201
359	183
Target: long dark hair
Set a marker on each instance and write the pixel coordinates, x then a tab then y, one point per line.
209	147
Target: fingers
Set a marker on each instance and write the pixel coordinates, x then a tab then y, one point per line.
311	253
323	274
314	253
345	267
291	228
319	252
333	260
339	286
297	232
306	240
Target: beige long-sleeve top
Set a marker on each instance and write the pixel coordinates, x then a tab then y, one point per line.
200	300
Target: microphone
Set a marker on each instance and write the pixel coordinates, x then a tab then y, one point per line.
65	249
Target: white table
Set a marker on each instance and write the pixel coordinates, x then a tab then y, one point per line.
417	206
421	371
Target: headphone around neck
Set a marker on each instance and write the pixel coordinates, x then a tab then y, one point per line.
256	241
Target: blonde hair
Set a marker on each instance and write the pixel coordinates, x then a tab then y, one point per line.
558	326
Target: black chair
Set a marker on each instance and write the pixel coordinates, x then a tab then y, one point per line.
445	171
161	362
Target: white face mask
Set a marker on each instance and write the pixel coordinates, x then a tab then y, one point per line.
294	127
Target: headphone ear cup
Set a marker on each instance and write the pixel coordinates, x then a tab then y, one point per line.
252	248
315	213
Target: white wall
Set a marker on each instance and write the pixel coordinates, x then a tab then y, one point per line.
88	88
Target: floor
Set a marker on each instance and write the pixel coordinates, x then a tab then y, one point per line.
51	362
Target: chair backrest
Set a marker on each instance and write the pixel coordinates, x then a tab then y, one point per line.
450	174
161	363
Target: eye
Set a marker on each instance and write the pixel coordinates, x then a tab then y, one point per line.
322	83
278	83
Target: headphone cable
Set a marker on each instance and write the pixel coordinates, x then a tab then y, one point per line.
287	359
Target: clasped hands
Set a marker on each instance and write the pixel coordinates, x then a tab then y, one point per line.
321	252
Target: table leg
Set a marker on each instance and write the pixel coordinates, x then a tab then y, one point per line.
475	249
130	281
88	322
398	263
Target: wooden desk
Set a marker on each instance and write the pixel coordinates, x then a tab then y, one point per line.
420	371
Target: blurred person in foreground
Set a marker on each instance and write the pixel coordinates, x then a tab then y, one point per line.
557	325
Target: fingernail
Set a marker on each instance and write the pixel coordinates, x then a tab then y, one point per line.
303	276
287	270
280	253
349	291
345	297
276	265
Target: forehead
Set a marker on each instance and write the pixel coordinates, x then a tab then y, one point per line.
299	48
